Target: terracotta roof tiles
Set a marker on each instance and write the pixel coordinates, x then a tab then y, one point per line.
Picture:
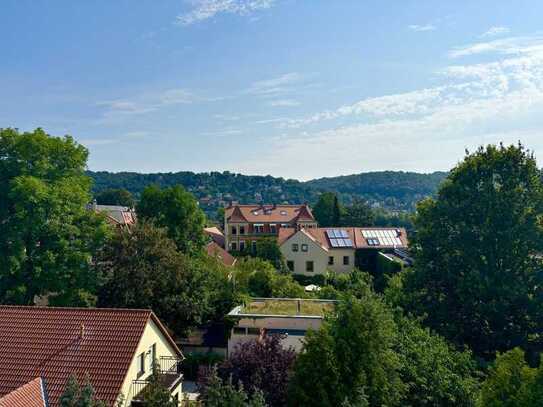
54	343
269	213
31	394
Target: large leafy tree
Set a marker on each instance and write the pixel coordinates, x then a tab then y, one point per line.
177	210
359	213
47	237
268	249
511	382
142	268
434	373
115	196
262	364
478	275
328	210
350	360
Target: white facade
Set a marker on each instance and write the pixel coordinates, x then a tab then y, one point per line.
306	256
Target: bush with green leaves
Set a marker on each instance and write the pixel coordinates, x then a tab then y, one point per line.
77	395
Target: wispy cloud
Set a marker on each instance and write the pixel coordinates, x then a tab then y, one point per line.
284	103
205	9
510	45
223	133
495	31
273	86
421	28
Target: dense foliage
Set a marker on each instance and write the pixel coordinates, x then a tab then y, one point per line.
47	237
350	359
327	210
155	393
143	269
77	395
215	392
261	364
117	196
176	210
478	275
512	383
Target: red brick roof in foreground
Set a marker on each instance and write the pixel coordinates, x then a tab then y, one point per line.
31	394
53	343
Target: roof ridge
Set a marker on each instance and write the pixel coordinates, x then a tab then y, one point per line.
56	308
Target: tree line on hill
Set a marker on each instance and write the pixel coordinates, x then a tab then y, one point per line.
389	190
463	327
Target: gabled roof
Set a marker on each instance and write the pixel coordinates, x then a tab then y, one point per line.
214	250
215	234
117	215
54	343
31	394
269	213
380	238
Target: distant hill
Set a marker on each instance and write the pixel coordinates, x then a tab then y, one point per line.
391	190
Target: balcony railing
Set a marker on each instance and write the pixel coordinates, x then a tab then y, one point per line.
169	368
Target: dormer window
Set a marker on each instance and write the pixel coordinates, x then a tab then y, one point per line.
283	213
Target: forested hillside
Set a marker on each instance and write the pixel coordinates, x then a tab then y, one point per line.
398	191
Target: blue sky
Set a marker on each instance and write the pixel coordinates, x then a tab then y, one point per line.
299	89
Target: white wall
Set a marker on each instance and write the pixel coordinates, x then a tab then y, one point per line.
317	254
151	335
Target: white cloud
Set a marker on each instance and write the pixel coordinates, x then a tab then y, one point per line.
507	46
425	129
421	28
495	31
284	103
205	9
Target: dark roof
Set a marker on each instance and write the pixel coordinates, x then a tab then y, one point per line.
31	394
215	234
54	343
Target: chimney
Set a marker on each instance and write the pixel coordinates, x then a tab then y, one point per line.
82	331
274	206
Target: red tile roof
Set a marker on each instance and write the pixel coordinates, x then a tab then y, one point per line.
356	234
54	343
269	213
31	394
214	250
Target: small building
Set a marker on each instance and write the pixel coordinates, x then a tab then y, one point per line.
114	347
285	316
120	216
337	249
245	224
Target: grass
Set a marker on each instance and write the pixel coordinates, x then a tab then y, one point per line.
278	307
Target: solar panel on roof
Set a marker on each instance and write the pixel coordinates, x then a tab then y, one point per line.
343	233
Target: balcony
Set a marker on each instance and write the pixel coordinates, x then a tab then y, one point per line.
169	368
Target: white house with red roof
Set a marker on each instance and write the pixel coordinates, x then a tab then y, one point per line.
338	249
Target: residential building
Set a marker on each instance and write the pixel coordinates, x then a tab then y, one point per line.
289	317
215	235
120	216
114	347
244	225
318	250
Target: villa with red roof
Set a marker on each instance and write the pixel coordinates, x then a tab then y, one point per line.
115	348
244	225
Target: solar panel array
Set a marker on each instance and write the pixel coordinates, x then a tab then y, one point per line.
339	238
382	237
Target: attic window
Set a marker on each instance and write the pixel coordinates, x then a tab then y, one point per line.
255	213
283	213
